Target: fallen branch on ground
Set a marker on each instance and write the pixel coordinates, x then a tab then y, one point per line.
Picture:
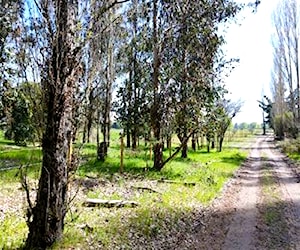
178	182
145	189
109	203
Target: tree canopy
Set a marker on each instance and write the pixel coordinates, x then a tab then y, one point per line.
67	65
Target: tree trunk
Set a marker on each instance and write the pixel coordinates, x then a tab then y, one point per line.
208	145
197	142
46	222
194	142
158	156
184	149
102	151
84	133
221	139
108	135
202	141
155	112
110	76
134	137
213	143
169	144
89	129
128	141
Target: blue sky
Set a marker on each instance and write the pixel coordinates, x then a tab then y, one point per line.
250	40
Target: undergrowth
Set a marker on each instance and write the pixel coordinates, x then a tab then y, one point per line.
165	210
291	147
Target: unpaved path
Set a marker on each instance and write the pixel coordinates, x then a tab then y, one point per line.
267	205
258	209
243	225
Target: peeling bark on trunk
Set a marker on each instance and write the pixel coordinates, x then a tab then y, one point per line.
47	218
155	112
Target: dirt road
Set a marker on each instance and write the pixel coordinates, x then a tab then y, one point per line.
259	209
267	207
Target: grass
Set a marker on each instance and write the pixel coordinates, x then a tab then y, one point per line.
272	212
13	231
291	147
160	215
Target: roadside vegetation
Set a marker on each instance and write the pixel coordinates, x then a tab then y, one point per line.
291	147
169	201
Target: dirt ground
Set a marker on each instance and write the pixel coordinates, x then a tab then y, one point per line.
259	208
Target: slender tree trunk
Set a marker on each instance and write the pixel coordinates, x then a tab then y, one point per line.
134	138
221	140
184	142
84	133
135	83
89	129
202	141
47	222
158	156
128	135
155	112
110	79
208	144
194	142
213	143
197	142
169	144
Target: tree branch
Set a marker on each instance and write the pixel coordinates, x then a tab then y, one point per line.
178	149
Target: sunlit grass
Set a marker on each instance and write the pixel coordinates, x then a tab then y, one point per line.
160	212
22	156
13	231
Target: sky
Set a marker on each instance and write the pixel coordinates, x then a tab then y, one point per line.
250	41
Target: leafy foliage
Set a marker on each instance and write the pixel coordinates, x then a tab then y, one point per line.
21	126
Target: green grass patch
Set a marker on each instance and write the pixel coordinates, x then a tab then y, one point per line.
13	231
166	212
291	147
159	214
22	155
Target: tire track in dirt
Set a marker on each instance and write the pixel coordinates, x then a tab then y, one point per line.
288	184
258	209
262	222
241	233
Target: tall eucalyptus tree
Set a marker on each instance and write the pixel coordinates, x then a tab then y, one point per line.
61	44
135	72
286	57
185	62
